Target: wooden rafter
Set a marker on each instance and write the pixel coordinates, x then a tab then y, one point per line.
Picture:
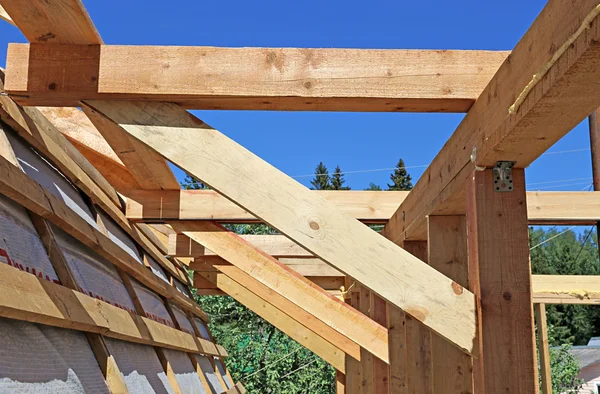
546	111
268	78
309	220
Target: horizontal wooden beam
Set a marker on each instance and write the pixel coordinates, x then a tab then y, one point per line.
566	289
41	301
367	206
19	187
274	245
306	267
518	117
296	79
144	205
282	321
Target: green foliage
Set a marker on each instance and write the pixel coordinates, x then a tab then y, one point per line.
321	181
566	254
565	369
193	183
373	187
262	357
337	180
401	179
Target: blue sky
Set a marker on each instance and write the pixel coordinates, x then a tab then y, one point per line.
296	142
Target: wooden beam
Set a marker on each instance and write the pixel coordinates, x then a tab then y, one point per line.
367	206
148	169
303	216
366	358
282	321
297	79
237	389
279	279
499	271
43	302
55	22
5	17
553	104
381	371
566	289
25	191
542	335
294	311
452	370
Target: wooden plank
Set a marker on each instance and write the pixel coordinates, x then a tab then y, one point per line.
542	334
269	78
381	371
499	270
340	383
295	311
367	206
287	284
5	17
564	96
22	189
283	322
44	302
353	367
55	22
419	369
447	242
303	216
366	358
149	170
237	389
107	363
566	289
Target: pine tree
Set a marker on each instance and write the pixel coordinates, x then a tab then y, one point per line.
374	187
193	183
337	180
322	181
401	179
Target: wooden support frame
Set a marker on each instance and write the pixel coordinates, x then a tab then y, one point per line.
561	49
25	191
189	143
332	79
287	284
500	275
544	354
566	289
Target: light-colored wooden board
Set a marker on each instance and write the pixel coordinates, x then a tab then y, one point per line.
53	22
149	170
268	78
309	220
5	17
452	370
563	97
566	289
367	206
543	351
281	280
500	273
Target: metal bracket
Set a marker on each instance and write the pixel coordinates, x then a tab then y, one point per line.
503	181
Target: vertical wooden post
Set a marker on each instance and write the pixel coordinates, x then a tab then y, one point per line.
353	367
340	383
366	358
500	275
381	371
447	242
542	332
419	378
397	349
594	124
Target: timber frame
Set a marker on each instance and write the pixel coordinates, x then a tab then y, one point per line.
436	303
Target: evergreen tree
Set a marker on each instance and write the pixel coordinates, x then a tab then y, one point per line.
337	180
321	181
193	183
374	187
400	178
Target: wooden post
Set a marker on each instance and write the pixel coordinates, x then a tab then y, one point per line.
542	332
366	358
353	367
340	383
500	276
594	124
419	378
381	371
447	241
